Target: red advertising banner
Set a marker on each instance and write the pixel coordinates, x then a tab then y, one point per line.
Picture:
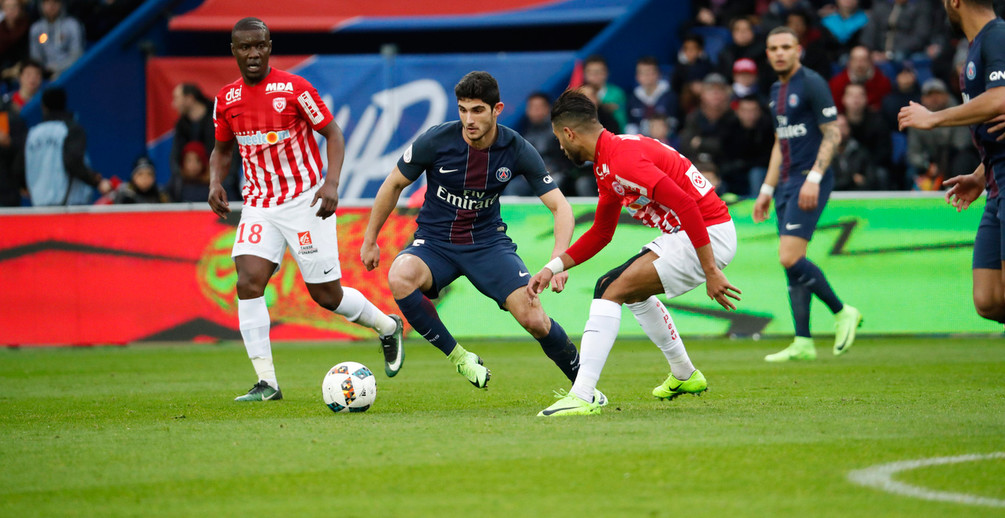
117	277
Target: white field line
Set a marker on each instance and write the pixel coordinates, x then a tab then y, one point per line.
881	477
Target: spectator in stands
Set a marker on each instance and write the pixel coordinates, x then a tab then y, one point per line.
99	17
612	97
195	124
747	139
897	29
604	116
868	128
536	129
692	66
853	165
30	78
745	80
745	43
778	13
55	167
817	44
12	135
142	186
652	96
940	153
659	129
907	90
13	34
56	40
701	137
717	12
193	185
861	70
846	24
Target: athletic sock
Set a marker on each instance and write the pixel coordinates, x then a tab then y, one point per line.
799	300
421	314
598	339
659	327
253	320
811	276
561	350
357	309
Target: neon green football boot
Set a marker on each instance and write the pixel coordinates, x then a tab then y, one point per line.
801	349
673	387
569	404
846	322
470	366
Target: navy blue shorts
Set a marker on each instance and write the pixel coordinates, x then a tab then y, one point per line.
793	221
494	268
989	245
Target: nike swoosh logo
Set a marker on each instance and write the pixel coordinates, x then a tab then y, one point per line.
445	171
524	274
549	412
234	115
270	396
790	226
329	270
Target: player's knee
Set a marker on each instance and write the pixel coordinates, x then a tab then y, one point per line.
248	287
788	259
329	297
400	283
537	324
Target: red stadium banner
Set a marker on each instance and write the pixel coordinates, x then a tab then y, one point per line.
115	277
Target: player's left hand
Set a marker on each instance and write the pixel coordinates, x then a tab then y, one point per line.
539	282
808	196
558	281
328	194
915	115
718	288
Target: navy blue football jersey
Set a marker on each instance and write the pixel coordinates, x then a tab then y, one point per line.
799	107
985	69
463	184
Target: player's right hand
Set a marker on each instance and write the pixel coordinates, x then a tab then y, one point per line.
369	253
218	199
963	190
538	283
761	208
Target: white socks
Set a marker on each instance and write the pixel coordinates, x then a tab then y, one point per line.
658	326
355	308
598	339
253	319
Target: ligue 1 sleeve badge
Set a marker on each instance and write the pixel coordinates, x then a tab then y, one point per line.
503	174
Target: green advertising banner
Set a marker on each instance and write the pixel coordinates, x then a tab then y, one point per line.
904	262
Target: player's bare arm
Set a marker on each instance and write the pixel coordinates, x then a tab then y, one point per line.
328	193
219	167
809	193
383	204
762	205
716	284
964	189
982	108
561	211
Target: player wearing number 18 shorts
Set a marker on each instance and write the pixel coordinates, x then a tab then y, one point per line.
272	115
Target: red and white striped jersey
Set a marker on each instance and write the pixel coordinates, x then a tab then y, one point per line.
274	123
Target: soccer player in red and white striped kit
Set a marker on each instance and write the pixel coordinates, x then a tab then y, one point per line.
662	189
272	115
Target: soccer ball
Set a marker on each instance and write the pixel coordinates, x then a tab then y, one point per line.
349	387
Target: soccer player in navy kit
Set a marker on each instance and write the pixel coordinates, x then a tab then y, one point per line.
983	85
806	136
468	163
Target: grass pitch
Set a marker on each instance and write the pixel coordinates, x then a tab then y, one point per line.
152	431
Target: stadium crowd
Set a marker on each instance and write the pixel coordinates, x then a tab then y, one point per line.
710	102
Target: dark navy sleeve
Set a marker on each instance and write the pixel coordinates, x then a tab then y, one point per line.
993	52
418	156
821	100
530	164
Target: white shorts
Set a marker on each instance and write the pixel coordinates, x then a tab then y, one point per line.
678	265
266	232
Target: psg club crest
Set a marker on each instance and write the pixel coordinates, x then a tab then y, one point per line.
971	71
793	100
503	174
279	103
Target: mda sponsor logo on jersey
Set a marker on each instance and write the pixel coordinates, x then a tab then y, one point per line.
272	88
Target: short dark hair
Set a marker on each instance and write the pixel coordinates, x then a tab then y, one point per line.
251	24
537	94
193	90
694	38
595	58
478	85
27	63
801	13
741	19
782	29
573	109
648	60
54	99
